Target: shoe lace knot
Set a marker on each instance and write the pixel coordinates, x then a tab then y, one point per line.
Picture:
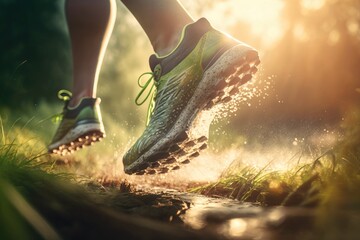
147	89
65	96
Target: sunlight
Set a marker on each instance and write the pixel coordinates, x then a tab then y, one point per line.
300	33
268	158
334	37
353	27
263	17
236	227
207	167
313	4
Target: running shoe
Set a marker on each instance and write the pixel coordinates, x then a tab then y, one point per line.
205	70
80	126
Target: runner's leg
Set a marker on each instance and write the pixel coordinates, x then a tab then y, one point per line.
90	25
162	21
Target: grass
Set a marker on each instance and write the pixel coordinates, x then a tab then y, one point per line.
38	202
34	195
340	199
330	185
341	164
18	219
295	187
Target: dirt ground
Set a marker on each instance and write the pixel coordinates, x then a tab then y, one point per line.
158	213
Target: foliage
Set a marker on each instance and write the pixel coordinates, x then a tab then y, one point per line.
330	184
37	202
294	187
338	168
341	199
35	58
21	171
312	67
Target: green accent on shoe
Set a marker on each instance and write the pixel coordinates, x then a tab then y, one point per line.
64	95
187	83
150	92
79	126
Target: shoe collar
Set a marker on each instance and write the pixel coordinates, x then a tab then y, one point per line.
191	34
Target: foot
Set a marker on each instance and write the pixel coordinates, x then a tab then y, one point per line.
206	69
80	126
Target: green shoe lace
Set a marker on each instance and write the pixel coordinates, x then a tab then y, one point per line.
65	96
152	83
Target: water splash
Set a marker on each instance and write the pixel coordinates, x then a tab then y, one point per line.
251	95
281	153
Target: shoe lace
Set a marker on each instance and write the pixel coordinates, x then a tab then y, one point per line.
65	96
150	82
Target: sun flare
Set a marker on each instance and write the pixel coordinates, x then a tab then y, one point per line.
262	16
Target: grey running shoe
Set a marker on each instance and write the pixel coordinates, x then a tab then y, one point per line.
206	69
80	126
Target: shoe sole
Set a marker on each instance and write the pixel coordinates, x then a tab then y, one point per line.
189	135
77	138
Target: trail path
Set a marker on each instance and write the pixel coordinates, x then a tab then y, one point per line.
222	218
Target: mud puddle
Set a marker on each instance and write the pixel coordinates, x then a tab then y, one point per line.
223	218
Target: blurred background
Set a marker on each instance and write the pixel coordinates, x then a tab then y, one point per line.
308	79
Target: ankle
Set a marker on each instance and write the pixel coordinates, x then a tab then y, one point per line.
166	43
77	97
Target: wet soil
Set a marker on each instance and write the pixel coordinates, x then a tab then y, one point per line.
194	216
121	211
141	210
230	219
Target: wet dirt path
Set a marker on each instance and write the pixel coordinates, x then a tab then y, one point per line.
225	218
